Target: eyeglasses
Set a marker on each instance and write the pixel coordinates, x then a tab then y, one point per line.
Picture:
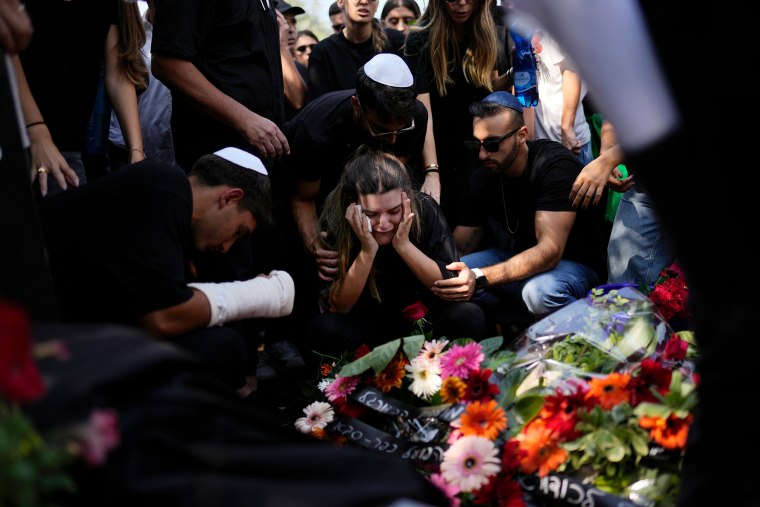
302	49
390	133
490	145
382	134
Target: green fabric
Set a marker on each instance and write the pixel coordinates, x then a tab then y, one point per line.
613	198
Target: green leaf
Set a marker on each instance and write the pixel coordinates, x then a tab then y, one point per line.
616	453
412	345
527	407
652	410
491	345
357	367
383	354
640	444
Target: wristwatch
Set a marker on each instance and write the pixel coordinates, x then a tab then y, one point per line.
481	282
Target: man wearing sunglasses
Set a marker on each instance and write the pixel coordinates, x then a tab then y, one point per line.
543	253
382	111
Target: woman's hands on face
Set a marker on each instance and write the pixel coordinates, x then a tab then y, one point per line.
401	239
361	226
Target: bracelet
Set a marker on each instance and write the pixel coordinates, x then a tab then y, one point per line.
28	125
136	149
428	171
431	168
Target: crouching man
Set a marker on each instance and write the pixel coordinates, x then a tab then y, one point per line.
120	248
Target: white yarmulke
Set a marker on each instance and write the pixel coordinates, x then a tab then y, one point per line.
390	70
243	159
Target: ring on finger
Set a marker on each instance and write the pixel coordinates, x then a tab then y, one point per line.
41	170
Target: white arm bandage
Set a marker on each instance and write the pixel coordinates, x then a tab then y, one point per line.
262	296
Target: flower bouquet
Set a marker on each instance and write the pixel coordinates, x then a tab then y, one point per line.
591	406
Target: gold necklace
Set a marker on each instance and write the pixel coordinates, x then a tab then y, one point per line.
504	206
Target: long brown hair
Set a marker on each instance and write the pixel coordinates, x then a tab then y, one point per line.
131	41
479	59
369	172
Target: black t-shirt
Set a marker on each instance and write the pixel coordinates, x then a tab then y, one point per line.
235	44
396	283
323	137
452	123
118	246
63	61
334	61
510	204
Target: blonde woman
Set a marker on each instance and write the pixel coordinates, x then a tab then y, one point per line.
454	53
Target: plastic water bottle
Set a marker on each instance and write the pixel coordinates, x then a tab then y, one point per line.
524	68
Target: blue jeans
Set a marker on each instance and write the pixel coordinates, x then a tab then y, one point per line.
538	295
637	250
586	154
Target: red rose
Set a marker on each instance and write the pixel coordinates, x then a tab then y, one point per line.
414	312
20	380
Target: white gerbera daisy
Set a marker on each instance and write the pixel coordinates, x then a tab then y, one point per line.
469	462
318	415
426	377
324	383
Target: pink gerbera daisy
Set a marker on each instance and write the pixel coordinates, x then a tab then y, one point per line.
432	350
449	490
469	462
459	360
340	388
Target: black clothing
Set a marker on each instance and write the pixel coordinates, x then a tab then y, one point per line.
452	123
235	44
188	440
63	61
118	246
398	287
691	208
511	204
334	61
324	136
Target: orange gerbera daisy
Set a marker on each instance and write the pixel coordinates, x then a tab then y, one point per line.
540	449
453	390
483	419
670	433
610	390
392	375
325	369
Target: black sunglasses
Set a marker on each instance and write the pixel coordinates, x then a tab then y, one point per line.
302	49
490	145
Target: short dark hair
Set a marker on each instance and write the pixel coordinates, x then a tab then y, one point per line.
307	33
488	109
388	102
212	170
334	9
